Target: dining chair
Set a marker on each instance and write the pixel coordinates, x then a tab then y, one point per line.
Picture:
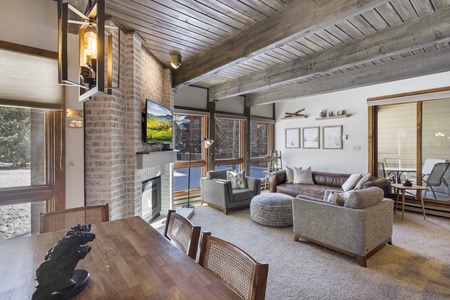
382	172
233	266
182	233
436	177
67	218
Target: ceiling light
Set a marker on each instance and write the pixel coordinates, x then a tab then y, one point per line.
175	60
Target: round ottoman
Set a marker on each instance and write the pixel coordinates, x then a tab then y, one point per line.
272	209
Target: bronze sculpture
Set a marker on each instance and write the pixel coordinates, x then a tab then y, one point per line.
56	276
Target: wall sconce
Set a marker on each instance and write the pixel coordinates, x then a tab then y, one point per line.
95	50
175	60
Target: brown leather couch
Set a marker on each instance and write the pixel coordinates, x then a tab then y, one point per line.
323	181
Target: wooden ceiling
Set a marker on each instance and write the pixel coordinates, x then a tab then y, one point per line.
272	50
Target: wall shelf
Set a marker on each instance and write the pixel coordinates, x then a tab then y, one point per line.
333	117
294	117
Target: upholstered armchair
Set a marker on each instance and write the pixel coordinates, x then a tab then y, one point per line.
217	191
359	228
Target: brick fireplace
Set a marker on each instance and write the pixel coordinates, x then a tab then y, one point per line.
117	160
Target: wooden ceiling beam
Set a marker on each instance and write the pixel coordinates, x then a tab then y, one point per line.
416	34
296	21
422	64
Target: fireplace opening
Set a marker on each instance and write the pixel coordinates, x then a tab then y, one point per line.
151	198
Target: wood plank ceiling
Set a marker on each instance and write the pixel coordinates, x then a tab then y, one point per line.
272	50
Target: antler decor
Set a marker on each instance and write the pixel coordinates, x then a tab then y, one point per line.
295	114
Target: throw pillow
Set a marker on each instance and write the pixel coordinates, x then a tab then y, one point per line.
364	198
361	182
237	179
290	174
351	182
303	176
334	197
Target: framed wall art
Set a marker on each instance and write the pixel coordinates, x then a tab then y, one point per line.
293	138
311	138
332	137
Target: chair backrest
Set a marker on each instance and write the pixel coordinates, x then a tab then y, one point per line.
68	218
437	173
217	174
232	265
429	164
182	233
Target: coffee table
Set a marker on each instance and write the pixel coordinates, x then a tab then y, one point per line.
403	188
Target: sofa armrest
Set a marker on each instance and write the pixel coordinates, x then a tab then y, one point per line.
254	184
276	178
354	230
216	191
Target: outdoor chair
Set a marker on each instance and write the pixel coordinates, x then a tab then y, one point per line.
233	266
182	233
68	218
436	177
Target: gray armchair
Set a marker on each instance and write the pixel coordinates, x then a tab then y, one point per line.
217	192
359	228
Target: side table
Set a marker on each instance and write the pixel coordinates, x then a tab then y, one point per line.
403	188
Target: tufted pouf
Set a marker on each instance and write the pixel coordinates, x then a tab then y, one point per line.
272	209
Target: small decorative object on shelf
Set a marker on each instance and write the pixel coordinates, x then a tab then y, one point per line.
330	113
56	276
296	114
323	113
340	112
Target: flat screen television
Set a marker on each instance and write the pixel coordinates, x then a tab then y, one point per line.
158	123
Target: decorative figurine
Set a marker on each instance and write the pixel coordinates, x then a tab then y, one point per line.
56	276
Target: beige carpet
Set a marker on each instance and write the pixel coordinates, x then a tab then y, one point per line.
417	266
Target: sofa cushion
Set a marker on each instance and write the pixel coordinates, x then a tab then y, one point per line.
335	197
361	181
237	179
363	198
242	195
290	174
303	176
351	181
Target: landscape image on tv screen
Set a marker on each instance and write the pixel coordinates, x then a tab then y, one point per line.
158	123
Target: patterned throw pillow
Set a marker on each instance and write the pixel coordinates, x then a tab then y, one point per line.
335	197
237	179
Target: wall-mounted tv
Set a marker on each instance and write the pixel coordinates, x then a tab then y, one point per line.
158	123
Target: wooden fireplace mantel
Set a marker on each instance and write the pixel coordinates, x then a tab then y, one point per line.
157	158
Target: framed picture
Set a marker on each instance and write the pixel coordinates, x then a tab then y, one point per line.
293	138
332	137
311	138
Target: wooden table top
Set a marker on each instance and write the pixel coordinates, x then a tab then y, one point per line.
129	260
411	187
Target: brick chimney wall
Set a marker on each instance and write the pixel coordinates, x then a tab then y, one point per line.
113	131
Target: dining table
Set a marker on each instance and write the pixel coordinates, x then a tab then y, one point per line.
398	171
129	259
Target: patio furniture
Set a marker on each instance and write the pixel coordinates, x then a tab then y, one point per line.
436	177
67	218
272	209
232	265
182	233
217	191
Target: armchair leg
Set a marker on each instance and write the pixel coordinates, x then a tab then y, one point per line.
297	236
225	211
362	261
201	202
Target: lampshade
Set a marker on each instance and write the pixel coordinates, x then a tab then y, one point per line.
208	143
175	60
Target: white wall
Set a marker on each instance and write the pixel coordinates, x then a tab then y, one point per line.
354	102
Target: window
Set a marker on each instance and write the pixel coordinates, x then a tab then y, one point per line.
30	180
189	130
228	143
261	140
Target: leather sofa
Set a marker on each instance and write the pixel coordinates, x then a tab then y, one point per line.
323	181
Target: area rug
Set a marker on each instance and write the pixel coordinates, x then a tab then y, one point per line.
416	266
